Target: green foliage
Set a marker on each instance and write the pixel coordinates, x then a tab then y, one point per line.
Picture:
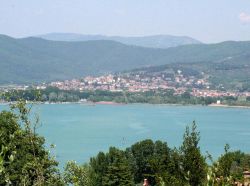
153	97
23	158
154	161
192	161
149	160
52	94
111	169
98	164
231	165
118	171
78	175
174	176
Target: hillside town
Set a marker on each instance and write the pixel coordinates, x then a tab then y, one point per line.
141	82
138	82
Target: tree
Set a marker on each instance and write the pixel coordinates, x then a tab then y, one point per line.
231	165
23	158
78	175
142	153
111	169
98	165
44	97
174	176
192	161
149	160
118	172
52	97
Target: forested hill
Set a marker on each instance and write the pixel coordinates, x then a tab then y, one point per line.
32	60
154	41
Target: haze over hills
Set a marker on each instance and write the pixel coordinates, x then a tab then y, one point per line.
154	41
35	60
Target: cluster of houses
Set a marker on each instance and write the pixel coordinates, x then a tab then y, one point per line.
138	83
131	83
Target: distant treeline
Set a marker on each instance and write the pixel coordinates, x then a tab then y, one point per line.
52	94
24	160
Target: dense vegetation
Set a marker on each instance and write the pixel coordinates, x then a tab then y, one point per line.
32	60
52	94
23	158
25	161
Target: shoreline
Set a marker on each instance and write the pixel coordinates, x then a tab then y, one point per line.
117	104
107	103
228	106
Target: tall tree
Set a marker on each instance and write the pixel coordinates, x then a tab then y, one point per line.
118	172
98	165
192	161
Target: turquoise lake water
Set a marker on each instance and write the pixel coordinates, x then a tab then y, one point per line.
81	131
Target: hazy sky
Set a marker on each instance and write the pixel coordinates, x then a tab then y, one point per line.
206	20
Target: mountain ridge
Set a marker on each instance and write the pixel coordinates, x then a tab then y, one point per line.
36	60
151	41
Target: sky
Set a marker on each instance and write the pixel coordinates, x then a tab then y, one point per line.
209	21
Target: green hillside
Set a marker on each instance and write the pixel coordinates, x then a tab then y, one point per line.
231	73
33	60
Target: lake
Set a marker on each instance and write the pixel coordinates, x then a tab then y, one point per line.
81	131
